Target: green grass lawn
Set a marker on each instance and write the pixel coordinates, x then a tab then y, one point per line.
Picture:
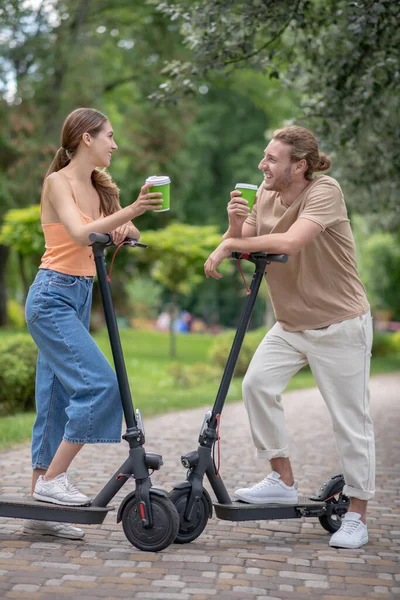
154	389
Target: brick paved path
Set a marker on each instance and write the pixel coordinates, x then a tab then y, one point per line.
253	560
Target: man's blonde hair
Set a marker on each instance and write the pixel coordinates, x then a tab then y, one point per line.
303	145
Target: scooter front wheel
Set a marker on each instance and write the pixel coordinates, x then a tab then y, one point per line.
165	524
190	530
333	522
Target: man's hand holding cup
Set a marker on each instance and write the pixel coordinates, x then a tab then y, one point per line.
241	203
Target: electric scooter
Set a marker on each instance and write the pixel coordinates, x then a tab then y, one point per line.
192	500
149	518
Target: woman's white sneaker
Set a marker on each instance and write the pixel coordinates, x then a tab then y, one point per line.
270	490
59	490
63	530
352	533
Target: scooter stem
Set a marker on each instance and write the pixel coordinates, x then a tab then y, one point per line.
238	341
115	341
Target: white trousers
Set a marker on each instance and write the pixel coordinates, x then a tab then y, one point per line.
339	357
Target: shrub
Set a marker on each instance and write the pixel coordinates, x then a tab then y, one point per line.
385	343
15	314
219	351
193	375
17	374
396	341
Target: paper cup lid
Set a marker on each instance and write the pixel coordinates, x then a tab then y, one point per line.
246	186
158	179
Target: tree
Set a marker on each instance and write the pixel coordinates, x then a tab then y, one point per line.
56	55
342	56
44	75
176	257
378	259
22	233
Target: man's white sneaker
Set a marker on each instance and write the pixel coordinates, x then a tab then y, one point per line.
63	530
270	490
352	533
59	490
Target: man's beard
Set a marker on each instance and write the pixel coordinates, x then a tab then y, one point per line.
281	183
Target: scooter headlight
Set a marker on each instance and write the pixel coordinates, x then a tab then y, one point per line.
190	460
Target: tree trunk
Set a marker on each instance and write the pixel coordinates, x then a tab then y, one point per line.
25	284
4	252
173	312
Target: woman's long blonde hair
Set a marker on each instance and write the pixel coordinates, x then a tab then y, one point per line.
80	121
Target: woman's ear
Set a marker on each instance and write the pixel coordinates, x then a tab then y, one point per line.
86	139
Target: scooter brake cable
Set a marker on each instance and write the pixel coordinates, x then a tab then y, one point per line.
113	257
248	290
218	442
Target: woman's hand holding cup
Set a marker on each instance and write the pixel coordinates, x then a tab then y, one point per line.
146	201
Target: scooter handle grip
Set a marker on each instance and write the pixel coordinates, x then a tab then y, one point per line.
282	258
106	239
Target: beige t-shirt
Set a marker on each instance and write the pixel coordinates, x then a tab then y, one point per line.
320	285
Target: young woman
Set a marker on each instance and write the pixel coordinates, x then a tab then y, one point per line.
77	397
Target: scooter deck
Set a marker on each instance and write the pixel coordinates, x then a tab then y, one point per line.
241	511
28	508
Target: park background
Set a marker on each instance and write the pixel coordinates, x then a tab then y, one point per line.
193	90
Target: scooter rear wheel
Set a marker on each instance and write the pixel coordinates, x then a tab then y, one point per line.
190	530
333	522
165	524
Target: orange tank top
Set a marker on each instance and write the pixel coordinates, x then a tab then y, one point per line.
62	253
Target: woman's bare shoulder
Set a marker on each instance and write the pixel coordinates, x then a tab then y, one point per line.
56	182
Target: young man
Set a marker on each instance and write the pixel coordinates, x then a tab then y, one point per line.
323	319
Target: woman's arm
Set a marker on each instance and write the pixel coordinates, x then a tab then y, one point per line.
59	194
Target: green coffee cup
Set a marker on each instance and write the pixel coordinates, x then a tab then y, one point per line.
162	183
249	192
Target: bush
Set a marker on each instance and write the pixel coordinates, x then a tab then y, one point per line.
385	343
219	351
17	374
193	375
15	314
396	341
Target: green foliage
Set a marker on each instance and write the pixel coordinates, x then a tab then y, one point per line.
396	342
341	57
385	344
144	296
17	375
221	348
384	265
193	375
205	144
226	34
378	258
22	231
177	255
15	314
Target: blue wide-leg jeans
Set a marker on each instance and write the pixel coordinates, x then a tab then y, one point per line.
77	395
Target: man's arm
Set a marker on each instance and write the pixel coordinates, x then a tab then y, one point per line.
301	233
245	231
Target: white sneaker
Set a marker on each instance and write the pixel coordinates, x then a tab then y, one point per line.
59	490
270	490
352	533
63	530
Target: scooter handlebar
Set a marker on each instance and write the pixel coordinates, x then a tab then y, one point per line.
282	258
106	240
101	238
